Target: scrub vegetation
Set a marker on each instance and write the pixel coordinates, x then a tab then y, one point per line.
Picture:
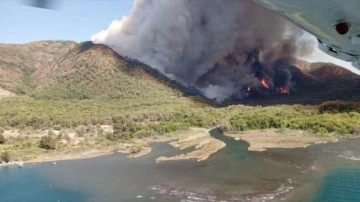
138	118
68	101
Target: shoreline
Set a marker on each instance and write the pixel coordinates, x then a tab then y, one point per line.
198	138
87	154
261	140
65	157
58	157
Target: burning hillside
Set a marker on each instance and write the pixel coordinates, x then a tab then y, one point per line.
254	77
226	48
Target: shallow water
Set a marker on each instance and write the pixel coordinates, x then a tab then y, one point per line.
231	174
340	185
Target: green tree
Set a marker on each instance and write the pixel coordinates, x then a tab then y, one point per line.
5	156
124	129
47	142
81	130
2	139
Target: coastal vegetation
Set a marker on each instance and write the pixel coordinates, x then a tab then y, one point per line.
142	118
82	97
5	156
2	139
47	142
71	126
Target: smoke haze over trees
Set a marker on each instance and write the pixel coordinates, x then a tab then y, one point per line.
221	47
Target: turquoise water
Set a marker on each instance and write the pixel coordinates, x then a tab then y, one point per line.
325	172
19	185
340	186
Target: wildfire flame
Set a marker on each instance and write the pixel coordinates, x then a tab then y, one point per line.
265	83
284	90
266	88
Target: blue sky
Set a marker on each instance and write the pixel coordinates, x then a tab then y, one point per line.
75	20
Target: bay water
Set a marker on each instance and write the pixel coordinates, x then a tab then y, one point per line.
323	172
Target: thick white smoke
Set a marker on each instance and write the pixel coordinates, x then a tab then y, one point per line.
185	39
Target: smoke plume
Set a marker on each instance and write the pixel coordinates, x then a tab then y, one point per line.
220	46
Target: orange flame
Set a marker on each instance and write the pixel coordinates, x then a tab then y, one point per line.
265	83
284	90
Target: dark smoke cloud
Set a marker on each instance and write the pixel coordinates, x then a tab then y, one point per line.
220	46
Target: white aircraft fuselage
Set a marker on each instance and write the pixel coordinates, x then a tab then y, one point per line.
336	23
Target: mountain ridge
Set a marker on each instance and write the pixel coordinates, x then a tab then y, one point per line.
66	70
